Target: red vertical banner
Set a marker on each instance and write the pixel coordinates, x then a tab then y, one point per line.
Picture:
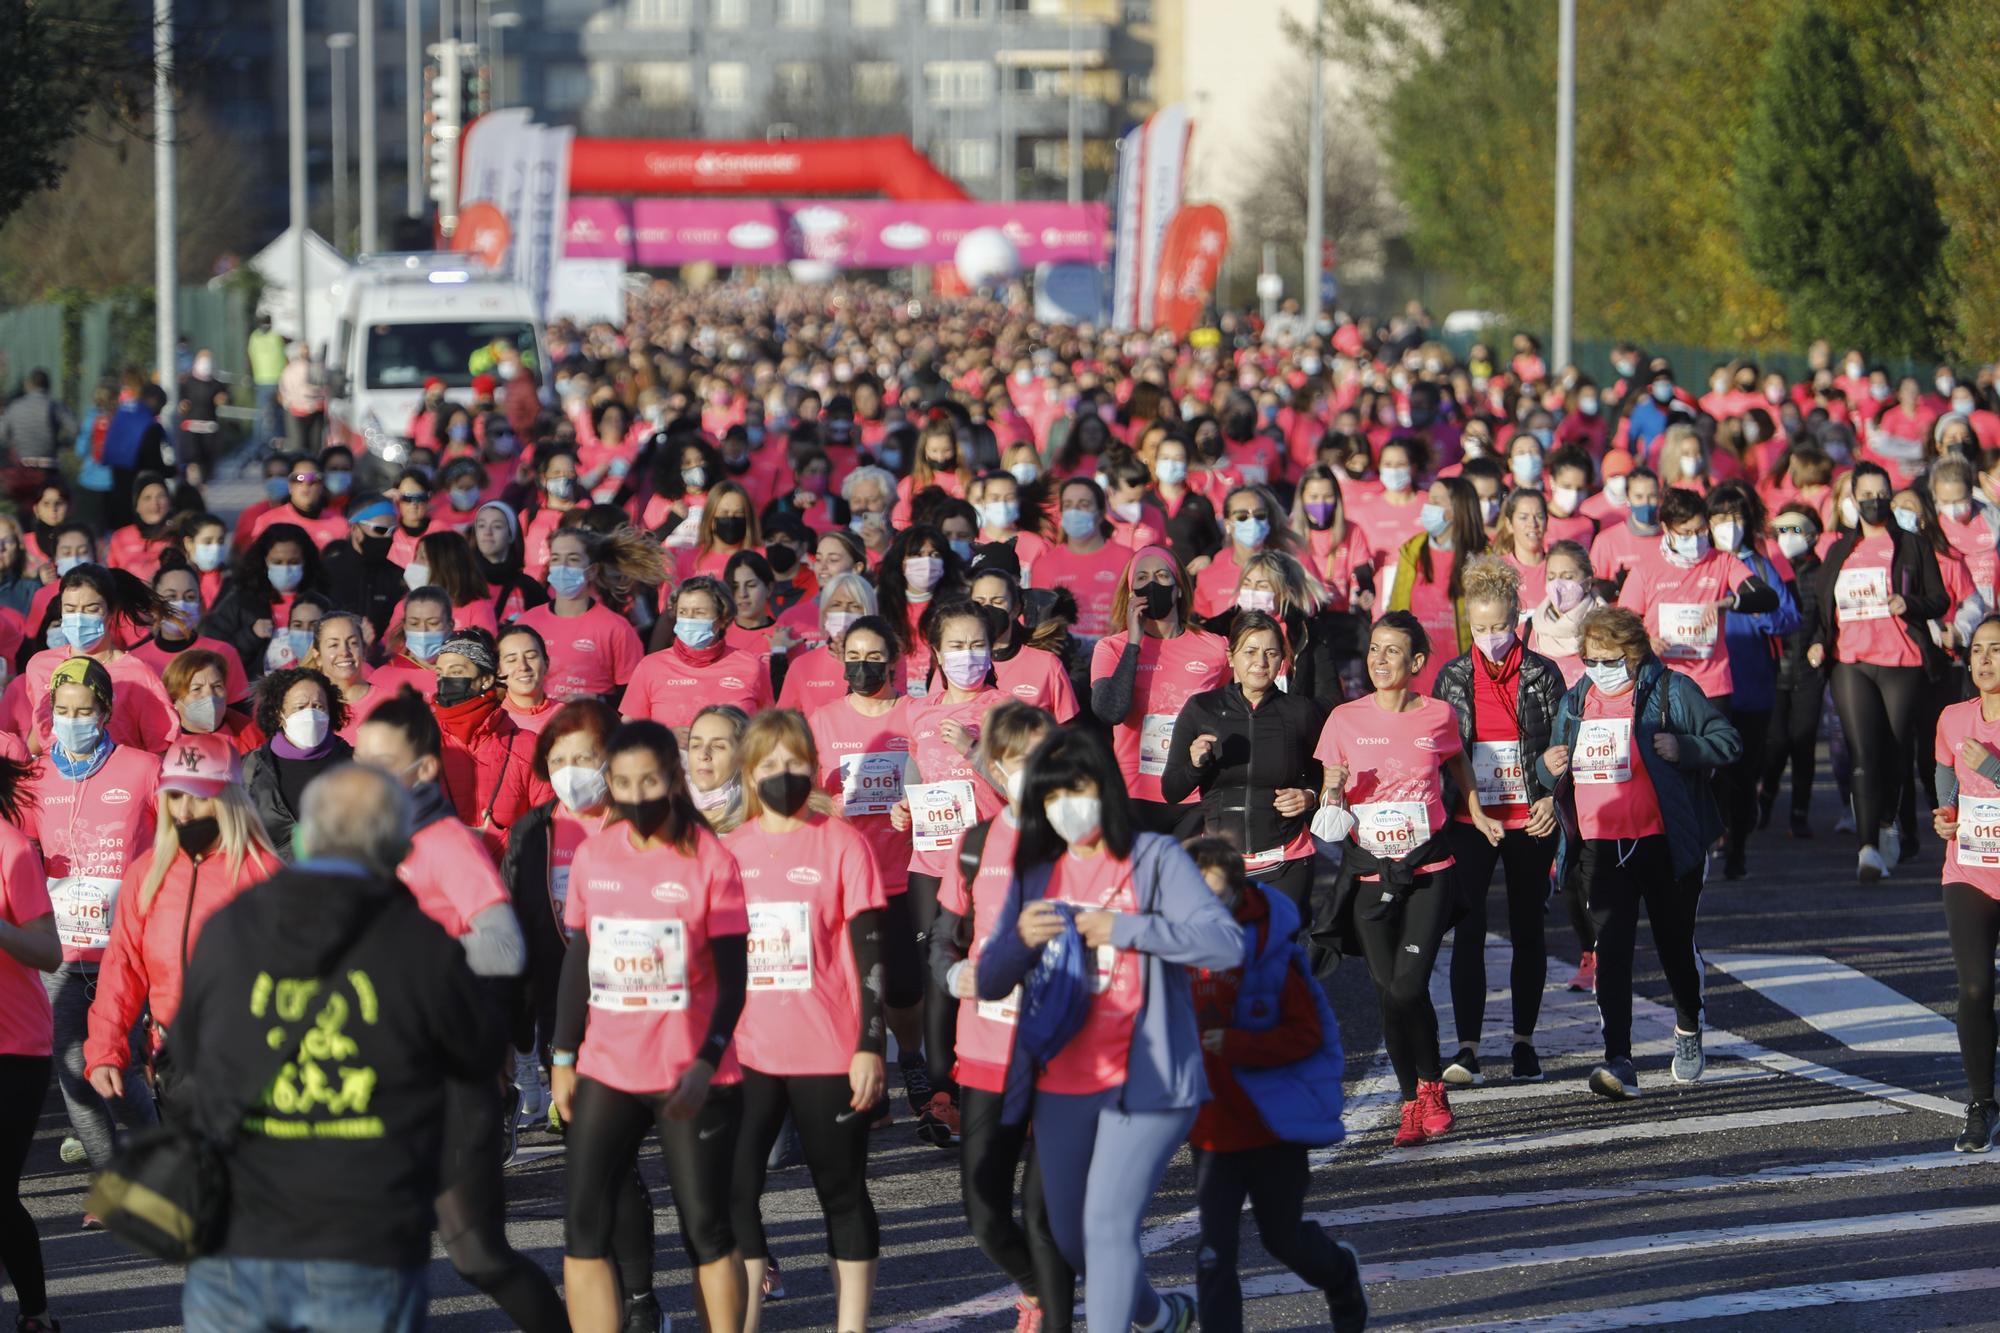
1197	237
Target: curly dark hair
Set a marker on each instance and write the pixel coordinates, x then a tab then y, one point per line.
271	692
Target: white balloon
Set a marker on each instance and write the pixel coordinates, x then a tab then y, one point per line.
813	270
985	256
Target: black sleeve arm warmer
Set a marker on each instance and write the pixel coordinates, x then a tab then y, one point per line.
1111	698
731	956
1755	597
573	993
946	951
864	932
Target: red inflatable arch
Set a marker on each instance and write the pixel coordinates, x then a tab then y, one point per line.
885	165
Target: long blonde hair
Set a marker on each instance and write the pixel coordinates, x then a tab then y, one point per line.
240	835
768	731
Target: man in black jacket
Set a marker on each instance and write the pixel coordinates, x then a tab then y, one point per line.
332	1177
356	569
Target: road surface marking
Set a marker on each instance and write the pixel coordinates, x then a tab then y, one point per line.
1631	1131
1851	1007
1565	1082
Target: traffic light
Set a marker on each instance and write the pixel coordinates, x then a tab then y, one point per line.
477	99
444	117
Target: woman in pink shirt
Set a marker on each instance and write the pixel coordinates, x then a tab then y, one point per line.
136	547
1086	562
28	949
100	609
1966	759
524	665
593	651
812	1033
728	526
1425	579
654	982
937	462
698	667
1521	540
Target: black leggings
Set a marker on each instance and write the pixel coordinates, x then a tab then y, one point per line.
834	1139
472	1209
1735	785
1618	875
1028	1254
1973	921
24	1082
1176	821
605	1132
1938	696
1401	948
1579	913
1527	861
1792	741
1879	707
940	1008
902	965
1294	879
1274	1180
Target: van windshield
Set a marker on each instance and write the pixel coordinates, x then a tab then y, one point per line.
403	356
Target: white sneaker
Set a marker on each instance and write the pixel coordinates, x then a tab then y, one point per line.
1890	842
1844	824
1869	868
533	1106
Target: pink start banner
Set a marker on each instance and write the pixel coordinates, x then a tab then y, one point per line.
849	233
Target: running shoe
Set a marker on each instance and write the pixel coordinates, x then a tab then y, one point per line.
1689	1062
90	1223
774	1281
534	1093
1586	973
72	1152
1616	1079
1435	1109
644	1315
41	1323
1801	827
940	1126
1463	1072
1844	824
1527	1065
1733	867
1411	1132
1767	801
1868	867
884	1116
1027	1316
1981	1118
917	1086
1889	841
1347	1299
1178	1307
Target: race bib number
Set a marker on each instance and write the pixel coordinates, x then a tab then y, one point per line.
870	783
1107	968
1391	830
83	905
1156	733
780	946
559	895
1861	594
1006	1011
1498	774
1256	861
1688	629
939	813
1603	751
638	964
1979	831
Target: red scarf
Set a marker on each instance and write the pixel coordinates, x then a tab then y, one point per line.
466	720
701	657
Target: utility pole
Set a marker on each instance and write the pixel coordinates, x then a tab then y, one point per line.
295	69
337	46
1565	183
1316	169
499	25
413	112
1075	111
365	54
166	261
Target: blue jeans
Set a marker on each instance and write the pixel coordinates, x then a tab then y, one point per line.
71	989
226	1295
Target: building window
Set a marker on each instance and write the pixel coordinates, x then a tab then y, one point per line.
1049	157
566	87
797	80
660	13
1138	11
800	13
876	13
662	83
877	82
958	82
729	13
959	11
974	159
1139	87
728	83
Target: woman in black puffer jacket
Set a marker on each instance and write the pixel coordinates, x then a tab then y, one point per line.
1506	699
1248	749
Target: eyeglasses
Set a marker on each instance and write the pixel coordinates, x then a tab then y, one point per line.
376	530
1603	661
412	497
304	478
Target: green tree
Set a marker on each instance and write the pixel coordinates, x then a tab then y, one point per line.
1834	215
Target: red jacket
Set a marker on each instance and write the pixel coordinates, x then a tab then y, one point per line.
488	772
150	946
1228	1121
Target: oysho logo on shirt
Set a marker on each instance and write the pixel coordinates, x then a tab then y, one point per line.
803	875
670	892
1371	740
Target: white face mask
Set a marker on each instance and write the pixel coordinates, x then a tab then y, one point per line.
1728	536
201	715
416	576
578	787
1611	679
1011	784
1257	599
1074	818
307	728
1567	498
719	799
1794	544
1690	465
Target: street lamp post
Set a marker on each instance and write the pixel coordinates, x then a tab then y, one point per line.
295	70
166	264
337	45
1316	170
499	25
413	114
1565	181
365	56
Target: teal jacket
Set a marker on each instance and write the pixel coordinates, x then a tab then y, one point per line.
1666	701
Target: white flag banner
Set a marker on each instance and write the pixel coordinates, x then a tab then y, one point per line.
1125	258
1152	168
521	171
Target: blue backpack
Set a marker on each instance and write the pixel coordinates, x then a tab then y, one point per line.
1055	996
1300	1102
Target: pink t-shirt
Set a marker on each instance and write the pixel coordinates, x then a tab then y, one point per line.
1534	579
1148	529
1975	857
1171	671
936	762
1618	549
1215	586
800	889
1614	790
235	685
1092	578
1036	677
1097	1056
1393	763
330	526
591	653
1431	603
670	690
1865	629
535	541
985	1028
533	721
1575	527
1673	599
27	1024
450	874
1387	526
89	833
1973	540
1337	566
568	832
864	764
651	914
813	679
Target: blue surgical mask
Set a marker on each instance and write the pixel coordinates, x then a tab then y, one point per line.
694	633
1663	391
1545	435
1025	473
694	478
208	556
77	735
755	434
1079	524
859	521
1250	531
1172	471
1396	479
64	564
566	581
424	644
559	488
275	489
961	548
1527	469
459	432
1646	515
339	483
1611	678
1907	519
285	578
82	631
1000	513
1434	520
891	458
463	501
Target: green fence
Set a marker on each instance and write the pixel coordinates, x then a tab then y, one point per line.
31	338
82	345
1691	364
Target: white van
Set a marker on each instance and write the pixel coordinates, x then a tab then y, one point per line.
410	318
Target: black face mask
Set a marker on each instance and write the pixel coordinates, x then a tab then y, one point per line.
454	690
782	557
1875	511
737	466
1159	599
198	836
785	793
645	816
732	530
866	677
375	549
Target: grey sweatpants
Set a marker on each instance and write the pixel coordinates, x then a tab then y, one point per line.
71	988
1100	1166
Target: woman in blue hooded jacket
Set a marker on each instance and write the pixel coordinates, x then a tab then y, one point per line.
1116	1099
